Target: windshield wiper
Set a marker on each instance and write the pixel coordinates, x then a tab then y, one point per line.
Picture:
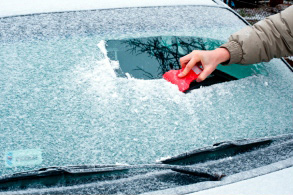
97	169
218	151
214	152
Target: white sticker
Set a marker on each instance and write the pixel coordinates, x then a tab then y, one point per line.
26	157
196	69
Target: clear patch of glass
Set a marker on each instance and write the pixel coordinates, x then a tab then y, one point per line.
151	57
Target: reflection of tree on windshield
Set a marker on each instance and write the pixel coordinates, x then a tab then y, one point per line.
168	50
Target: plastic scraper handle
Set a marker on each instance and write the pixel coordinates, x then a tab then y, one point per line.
182	83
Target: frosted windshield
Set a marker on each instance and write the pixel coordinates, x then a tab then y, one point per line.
62	103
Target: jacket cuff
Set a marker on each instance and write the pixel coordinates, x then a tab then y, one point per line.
235	52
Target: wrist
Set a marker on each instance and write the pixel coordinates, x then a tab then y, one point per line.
222	55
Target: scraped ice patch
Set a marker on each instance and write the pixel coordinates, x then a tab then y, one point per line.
107	61
115	64
102	47
95	74
128	75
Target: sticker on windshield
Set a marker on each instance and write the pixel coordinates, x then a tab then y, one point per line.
26	157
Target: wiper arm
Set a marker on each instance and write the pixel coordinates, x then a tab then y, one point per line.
96	169
218	150
191	170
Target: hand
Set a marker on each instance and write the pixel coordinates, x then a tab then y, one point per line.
209	61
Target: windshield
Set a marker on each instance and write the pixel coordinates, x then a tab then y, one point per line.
63	102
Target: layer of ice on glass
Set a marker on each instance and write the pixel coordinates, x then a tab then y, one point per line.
60	96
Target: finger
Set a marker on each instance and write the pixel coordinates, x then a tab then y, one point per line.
189	66
204	74
185	59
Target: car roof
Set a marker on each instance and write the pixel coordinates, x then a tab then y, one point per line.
20	7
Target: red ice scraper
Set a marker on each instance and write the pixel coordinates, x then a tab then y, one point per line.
182	83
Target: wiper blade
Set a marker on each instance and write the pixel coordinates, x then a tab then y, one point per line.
96	169
191	170
218	150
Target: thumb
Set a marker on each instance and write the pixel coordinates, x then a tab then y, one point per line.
185	71
189	66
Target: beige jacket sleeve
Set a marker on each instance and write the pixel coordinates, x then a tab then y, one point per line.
267	39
